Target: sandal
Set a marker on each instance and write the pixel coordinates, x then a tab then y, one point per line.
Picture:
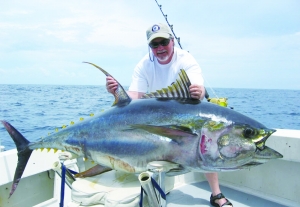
219	196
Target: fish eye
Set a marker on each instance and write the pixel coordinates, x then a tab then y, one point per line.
248	132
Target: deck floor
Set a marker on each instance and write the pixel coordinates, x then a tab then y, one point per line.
198	194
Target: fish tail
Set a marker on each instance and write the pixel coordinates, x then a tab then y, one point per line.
23	153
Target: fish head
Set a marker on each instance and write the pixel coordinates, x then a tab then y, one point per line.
234	146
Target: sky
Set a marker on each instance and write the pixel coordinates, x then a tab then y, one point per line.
238	44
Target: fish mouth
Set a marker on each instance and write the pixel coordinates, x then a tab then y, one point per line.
266	154
263	156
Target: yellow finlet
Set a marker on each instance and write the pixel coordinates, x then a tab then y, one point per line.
81	119
72	122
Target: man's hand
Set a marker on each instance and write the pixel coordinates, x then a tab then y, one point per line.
111	84
197	91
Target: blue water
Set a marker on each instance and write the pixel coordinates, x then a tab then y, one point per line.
36	110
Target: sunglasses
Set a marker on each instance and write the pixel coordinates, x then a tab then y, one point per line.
164	42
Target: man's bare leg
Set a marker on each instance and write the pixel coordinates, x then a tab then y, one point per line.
213	181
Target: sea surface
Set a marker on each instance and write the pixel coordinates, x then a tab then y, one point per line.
36	110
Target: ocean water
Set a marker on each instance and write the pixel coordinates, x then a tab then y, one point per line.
36	110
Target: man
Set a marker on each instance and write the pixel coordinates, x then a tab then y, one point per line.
159	69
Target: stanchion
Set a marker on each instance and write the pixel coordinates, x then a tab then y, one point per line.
147	186
155	191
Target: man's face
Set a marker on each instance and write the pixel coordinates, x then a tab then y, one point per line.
163	52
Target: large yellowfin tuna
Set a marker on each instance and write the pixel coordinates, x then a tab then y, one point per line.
167	125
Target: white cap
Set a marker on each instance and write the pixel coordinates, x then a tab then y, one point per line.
158	30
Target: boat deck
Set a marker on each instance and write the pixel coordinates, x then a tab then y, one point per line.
198	194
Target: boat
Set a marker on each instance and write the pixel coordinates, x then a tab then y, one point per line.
275	183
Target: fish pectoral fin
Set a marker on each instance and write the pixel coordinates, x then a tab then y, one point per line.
170	131
177	171
171	169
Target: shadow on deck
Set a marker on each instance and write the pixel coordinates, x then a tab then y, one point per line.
198	194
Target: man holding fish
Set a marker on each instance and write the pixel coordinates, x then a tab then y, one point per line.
170	124
159	69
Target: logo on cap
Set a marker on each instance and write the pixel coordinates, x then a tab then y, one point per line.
155	28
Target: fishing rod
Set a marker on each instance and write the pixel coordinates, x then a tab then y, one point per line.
171	26
219	101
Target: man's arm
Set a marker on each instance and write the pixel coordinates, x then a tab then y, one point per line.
135	95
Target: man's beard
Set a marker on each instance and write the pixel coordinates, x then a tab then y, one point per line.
164	57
